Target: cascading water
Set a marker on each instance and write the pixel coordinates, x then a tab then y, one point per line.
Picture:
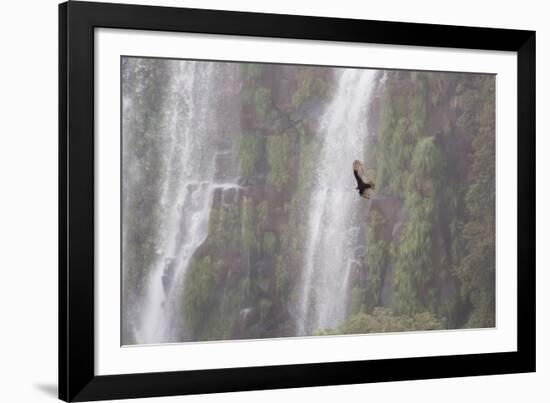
197	124
332	237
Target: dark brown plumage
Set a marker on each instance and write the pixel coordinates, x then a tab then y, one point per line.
363	185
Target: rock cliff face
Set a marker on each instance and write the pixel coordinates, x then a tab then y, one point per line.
252	229
434	137
418	255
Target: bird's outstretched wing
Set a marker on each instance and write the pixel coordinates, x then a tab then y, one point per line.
363	184
359	172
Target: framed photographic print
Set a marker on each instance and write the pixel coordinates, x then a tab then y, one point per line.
255	201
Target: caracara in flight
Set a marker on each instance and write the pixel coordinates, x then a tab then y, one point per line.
362	184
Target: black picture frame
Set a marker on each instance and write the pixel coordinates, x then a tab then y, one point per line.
77	379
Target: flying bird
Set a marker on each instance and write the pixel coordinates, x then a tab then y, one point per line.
363	185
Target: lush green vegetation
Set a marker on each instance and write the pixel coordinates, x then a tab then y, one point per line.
429	241
435	154
382	320
263	229
249	152
476	270
277	158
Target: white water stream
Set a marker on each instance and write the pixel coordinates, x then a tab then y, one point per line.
332	235
195	122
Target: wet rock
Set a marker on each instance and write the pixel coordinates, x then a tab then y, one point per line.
264	284
448	290
224	166
255	331
391	209
359	252
282	93
229	195
282	324
256	180
217	198
246	319
388	206
309	110
385	293
168	274
279	124
397	230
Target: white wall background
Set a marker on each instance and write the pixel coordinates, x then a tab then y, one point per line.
28	206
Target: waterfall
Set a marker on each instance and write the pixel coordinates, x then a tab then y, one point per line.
195	128
332	237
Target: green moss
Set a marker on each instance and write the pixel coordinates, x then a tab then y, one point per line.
247	95
220	321
302	92
401	105
213	221
269	245
251	71
199	293
435	99
283	277
226	228
474	250
426	160
247	225
414	268
249	151
418	107
320	86
272	115
264	308
277	157
376	260
383	321
261	212
387	163
262	102
357	298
